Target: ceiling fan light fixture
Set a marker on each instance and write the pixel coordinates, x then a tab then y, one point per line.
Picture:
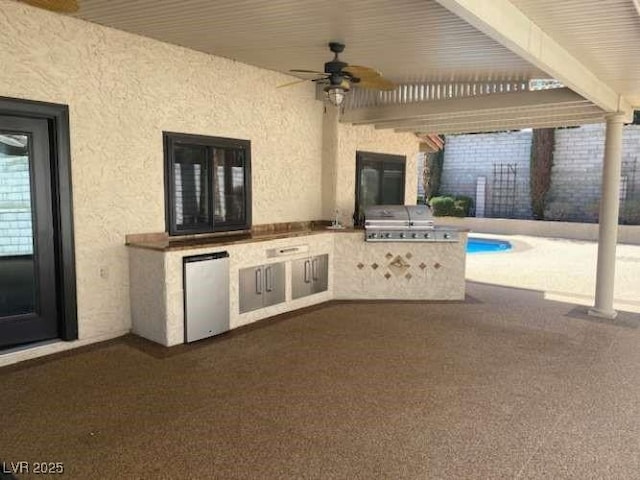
335	95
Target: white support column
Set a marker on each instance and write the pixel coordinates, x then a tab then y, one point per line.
608	223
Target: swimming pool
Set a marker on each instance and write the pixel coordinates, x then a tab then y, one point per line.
487	245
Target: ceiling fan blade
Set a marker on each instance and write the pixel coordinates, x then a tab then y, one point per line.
361	72
311	72
61	6
295	82
376	83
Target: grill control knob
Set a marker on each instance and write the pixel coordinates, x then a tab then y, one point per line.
426	235
373	235
414	235
402	235
447	236
387	235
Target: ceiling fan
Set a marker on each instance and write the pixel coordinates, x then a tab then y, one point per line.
339	76
61	6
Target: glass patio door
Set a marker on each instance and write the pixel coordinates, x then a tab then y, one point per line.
28	299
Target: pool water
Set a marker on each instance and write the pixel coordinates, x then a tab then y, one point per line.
487	245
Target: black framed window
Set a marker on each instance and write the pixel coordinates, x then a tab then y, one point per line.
207	184
380	180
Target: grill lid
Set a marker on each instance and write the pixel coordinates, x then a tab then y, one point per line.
398	215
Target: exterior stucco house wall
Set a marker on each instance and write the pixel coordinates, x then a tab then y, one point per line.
123	91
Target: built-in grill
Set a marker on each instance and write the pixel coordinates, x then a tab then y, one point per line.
404	223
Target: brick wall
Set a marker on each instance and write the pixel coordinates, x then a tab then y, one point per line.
575	177
15	211
468	157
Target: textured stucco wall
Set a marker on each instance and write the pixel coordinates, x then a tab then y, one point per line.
123	91
352	138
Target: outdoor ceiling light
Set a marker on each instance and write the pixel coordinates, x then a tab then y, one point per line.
335	94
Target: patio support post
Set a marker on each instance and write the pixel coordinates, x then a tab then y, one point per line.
608	221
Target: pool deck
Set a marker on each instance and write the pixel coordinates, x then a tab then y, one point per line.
565	270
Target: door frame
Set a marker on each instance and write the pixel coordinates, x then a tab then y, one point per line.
57	116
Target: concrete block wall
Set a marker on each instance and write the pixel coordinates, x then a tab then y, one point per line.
468	157
15	211
576	175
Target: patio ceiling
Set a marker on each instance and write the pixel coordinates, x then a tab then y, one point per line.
407	40
589	45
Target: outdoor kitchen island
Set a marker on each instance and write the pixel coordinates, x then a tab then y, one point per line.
355	270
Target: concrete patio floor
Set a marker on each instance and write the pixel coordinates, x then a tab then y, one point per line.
565	270
504	385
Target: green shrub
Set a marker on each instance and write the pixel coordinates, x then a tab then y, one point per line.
462	206
451	206
442	206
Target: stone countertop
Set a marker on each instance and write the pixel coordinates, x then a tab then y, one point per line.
163	243
167	244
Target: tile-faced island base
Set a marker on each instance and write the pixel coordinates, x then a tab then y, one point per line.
398	270
358	270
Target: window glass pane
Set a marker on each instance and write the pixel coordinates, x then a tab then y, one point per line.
392	184
191	187
379	181
17	266
369	185
229	186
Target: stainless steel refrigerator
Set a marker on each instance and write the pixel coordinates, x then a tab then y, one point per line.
206	295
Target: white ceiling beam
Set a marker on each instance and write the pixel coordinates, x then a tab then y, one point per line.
453	106
501	114
505	23
494	126
559	112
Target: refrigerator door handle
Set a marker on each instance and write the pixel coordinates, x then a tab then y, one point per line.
314	269
259	281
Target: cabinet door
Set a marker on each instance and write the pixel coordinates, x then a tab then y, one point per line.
320	273
273	283
301	282
251	288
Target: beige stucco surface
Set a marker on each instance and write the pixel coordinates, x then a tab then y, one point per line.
353	138
123	91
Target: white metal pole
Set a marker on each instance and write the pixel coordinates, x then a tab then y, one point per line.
608	223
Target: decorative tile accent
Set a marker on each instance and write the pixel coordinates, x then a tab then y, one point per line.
422	266
399	266
408	276
387	275
408	255
360	266
436	265
389	255
374	266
